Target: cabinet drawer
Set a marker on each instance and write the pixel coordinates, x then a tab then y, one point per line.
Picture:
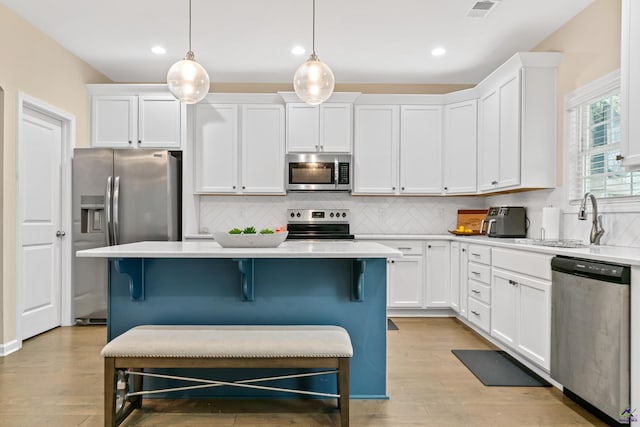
407	247
479	272
479	291
480	254
523	262
479	314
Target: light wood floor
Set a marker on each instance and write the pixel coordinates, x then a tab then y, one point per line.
56	380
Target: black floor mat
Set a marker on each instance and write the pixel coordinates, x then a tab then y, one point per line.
497	368
391	326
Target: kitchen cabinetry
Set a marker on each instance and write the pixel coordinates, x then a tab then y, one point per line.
397	149
521	303
479	286
517	124
239	148
136	121
630	84
406	275
317	128
458	288
459	158
437	274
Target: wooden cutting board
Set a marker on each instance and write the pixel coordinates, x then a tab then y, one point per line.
471	219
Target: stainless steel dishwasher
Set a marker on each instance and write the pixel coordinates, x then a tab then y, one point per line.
590	333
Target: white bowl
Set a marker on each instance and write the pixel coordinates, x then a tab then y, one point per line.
257	240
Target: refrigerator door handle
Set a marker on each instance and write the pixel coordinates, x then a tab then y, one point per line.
107	207
116	201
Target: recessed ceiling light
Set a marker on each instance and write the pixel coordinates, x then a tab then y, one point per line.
298	50
158	50
438	51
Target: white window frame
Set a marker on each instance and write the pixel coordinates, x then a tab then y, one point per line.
587	93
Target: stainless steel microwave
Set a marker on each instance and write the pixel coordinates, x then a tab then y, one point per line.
319	172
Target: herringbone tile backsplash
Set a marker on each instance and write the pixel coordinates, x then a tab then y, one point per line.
408	215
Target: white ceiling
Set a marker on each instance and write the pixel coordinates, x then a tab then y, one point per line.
363	41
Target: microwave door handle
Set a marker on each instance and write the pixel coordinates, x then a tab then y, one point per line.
107	207
116	210
336	173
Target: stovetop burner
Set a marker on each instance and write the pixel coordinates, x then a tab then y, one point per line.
330	224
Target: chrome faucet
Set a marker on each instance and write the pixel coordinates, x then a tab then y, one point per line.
596	228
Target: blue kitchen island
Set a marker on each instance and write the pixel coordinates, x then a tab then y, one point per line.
339	283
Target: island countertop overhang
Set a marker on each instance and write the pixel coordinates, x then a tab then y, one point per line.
209	249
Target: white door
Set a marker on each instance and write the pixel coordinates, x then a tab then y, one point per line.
159	122
302	128
406	282
460	147
39	193
335	127
437	276
113	121
421	149
503	307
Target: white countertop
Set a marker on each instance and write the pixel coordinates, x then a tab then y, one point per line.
617	254
209	249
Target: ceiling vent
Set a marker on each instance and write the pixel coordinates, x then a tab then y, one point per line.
482	8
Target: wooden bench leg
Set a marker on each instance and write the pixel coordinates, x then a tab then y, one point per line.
109	392
343	390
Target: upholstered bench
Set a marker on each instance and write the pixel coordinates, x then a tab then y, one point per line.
247	346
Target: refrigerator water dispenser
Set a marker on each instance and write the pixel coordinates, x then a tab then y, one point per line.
92	214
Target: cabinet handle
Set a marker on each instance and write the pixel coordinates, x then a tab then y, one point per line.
393	262
475	254
474	291
619	157
446	188
513	282
475	312
464	250
129	142
494	182
475	272
393	188
244	188
234	187
429	246
402	188
404	249
139	141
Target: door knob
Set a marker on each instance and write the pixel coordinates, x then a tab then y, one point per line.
60	233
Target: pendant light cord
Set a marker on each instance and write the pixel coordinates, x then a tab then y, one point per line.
190	25
313	38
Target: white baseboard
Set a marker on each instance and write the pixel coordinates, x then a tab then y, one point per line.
10	347
420	312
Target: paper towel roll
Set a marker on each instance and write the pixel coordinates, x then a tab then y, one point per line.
550	223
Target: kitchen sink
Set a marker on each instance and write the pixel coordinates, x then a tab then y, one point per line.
554	243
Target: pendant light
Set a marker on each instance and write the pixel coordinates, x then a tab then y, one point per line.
187	80
313	80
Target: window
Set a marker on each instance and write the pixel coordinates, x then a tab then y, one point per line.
593	114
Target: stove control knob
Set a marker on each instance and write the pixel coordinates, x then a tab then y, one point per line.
292	214
344	214
331	214
337	214
298	214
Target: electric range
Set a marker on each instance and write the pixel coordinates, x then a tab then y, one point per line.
312	224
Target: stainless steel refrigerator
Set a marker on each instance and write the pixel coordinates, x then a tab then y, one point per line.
119	196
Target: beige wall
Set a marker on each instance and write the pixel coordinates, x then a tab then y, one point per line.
32	63
590	43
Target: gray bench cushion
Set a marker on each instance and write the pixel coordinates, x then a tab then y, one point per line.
236	341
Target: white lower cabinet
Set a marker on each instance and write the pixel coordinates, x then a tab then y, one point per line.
437	274
454	290
478	281
521	303
406	275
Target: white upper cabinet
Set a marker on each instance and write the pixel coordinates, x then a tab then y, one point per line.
398	149
377	135
517	124
263	146
420	149
319	128
239	149
216	148
460	147
136	121
630	84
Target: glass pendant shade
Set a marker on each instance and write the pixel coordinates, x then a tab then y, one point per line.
313	81
187	80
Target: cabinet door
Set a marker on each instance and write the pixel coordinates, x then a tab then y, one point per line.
437	274
420	149
263	145
630	84
159	121
534	320
454	292
509	153
489	141
406	282
335	127
460	147
113	121
376	149
503	307
216	148
302	128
